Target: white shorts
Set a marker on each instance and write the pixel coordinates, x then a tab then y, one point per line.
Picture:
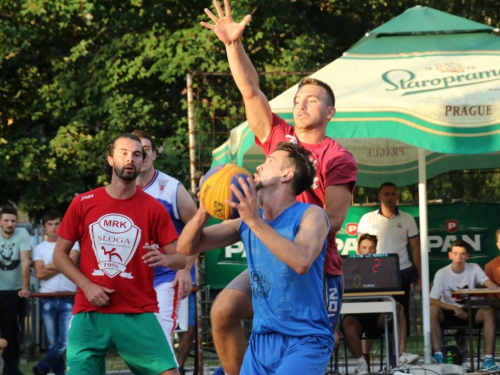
168	302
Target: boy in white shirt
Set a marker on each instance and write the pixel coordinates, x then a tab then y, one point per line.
56	312
445	308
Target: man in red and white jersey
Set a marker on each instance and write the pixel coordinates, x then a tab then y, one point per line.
121	231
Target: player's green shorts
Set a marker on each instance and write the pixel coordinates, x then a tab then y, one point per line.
138	338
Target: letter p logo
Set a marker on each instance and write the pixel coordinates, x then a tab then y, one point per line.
451	225
351	228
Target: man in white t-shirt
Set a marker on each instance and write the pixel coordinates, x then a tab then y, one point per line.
394	230
445	308
56	312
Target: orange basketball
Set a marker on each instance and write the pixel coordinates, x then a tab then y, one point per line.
215	189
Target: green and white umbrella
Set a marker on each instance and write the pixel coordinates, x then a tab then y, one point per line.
417	96
425	79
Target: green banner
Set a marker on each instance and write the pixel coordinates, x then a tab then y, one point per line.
475	223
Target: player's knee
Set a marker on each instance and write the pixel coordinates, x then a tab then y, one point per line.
350	324
229	307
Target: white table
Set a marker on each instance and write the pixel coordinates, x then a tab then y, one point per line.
387	306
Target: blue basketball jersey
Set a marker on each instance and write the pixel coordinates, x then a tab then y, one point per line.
164	188
284	301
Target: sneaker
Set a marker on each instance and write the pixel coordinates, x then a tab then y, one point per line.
182	371
367	359
219	371
408	358
466	363
490	365
362	368
437	358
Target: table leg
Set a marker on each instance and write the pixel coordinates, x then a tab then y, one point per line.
471	340
387	351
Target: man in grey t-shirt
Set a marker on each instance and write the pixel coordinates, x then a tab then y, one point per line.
14	284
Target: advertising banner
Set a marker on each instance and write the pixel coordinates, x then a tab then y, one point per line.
475	223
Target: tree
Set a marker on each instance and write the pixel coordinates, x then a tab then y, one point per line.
74	74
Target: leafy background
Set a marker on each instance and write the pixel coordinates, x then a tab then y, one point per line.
74	74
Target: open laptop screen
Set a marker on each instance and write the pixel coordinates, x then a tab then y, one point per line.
371	273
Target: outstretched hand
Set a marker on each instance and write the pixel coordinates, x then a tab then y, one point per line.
225	28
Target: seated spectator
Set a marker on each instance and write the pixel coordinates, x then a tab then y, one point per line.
356	325
445	308
3	345
492	270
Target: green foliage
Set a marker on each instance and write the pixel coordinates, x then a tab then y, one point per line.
74	74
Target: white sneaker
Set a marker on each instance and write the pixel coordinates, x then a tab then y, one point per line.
362	368
466	363
408	358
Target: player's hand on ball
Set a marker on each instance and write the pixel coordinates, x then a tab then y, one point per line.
248	206
216	190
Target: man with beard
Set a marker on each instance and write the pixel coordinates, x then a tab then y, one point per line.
285	242
314	107
120	229
14	284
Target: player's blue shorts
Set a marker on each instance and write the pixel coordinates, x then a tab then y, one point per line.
275	353
192	310
334	292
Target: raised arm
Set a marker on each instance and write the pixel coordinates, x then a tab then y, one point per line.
257	107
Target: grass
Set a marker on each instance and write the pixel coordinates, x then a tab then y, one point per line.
113	363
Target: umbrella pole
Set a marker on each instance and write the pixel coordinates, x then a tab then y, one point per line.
424	253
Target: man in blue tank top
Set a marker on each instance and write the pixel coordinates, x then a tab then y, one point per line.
285	243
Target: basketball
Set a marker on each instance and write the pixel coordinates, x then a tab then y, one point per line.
215	189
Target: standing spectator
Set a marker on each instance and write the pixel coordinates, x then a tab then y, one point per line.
171	285
314	107
56	312
14	284
121	230
450	310
394	230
